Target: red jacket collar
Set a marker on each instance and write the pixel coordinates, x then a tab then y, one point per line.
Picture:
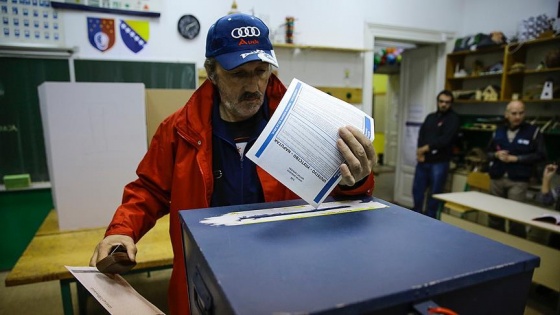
194	119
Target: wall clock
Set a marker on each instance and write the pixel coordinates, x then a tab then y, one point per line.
188	26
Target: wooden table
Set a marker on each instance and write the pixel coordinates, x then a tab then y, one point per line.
548	273
51	249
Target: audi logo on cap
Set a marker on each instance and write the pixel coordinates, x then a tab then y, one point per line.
247	31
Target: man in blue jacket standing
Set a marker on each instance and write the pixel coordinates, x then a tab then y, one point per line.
514	151
434	152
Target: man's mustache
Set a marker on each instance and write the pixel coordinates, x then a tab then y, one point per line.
250	96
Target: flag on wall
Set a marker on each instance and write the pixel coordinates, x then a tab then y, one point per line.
135	34
101	33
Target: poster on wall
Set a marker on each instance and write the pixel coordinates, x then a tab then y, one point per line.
102	35
410	143
149	8
32	22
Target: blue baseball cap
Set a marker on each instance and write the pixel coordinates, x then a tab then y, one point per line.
239	38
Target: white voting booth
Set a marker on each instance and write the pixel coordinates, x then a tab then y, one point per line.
95	135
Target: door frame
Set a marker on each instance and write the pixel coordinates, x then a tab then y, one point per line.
399	33
412	108
444	41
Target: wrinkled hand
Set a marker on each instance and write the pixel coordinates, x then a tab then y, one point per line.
359	154
549	171
104	247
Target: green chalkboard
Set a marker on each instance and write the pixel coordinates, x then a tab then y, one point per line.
22	147
154	75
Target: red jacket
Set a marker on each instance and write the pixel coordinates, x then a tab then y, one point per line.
176	174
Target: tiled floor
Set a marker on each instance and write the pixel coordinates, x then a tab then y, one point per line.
44	298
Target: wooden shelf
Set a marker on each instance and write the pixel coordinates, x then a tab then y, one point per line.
478	102
509	82
388	69
478	77
477	129
554	100
557	100
488	50
324	48
531	72
535	42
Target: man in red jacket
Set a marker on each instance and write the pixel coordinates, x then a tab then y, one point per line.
196	158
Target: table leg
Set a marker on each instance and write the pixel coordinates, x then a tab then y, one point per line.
82	298
66	297
558	306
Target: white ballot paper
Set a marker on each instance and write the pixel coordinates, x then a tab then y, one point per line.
298	145
291	213
115	294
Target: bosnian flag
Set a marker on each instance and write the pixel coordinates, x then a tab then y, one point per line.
135	34
101	33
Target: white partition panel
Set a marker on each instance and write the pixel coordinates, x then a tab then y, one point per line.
95	135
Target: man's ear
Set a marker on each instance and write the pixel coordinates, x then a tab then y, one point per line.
212	78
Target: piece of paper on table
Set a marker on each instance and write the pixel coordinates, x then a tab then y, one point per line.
115	294
298	145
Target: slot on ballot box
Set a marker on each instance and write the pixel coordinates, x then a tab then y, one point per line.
346	257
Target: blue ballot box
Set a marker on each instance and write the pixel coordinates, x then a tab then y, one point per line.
383	261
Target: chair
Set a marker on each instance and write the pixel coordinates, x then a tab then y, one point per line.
479	181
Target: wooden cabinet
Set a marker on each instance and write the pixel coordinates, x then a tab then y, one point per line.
502	73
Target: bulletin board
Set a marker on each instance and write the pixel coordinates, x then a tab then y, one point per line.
30	22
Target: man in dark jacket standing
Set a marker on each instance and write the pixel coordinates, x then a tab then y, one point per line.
434	152
513	151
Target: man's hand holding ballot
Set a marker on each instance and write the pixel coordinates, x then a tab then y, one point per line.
314	142
358	153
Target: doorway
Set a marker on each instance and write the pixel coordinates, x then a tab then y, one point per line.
386	87
410	95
